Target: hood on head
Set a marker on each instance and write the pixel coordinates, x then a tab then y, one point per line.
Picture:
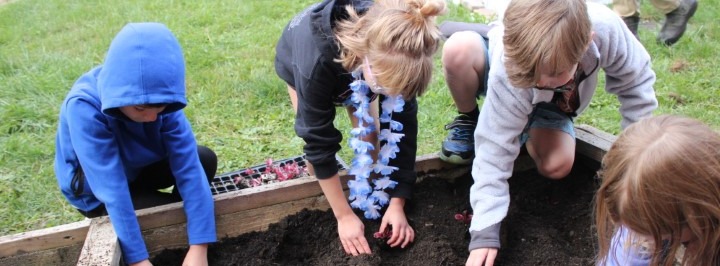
144	65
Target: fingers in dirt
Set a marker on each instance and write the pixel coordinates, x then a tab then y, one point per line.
346	246
409	237
362	246
400	237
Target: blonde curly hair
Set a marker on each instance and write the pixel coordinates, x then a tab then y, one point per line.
399	38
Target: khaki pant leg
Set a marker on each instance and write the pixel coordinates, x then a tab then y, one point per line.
626	8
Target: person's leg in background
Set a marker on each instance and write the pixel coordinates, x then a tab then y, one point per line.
465	65
159	175
677	14
629	11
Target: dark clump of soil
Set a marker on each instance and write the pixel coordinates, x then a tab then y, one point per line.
549	223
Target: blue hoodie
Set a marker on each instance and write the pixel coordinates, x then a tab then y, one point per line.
144	65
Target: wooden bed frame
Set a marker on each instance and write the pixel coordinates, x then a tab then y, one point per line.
93	241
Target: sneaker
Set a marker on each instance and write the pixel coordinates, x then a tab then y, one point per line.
459	146
632	23
676	22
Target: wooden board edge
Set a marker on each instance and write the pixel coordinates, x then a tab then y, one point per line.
263	196
592	142
101	245
231	224
44	239
61	256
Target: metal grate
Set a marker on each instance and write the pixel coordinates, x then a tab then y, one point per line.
225	183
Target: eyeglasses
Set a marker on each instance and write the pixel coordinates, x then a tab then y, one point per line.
374	87
563	88
570	85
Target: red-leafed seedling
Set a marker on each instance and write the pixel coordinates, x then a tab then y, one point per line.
273	173
464	217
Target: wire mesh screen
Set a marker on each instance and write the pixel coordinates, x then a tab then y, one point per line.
244	178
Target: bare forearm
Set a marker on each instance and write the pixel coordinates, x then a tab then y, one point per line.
397	203
333	191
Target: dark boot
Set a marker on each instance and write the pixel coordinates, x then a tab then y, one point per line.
632	23
676	22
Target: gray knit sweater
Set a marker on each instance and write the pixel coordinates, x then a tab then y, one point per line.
628	75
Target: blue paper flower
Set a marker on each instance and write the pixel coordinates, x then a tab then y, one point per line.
393	104
380	196
362	159
362	130
389	136
387	152
359	188
395	125
372	212
384	169
359	201
361	172
384	182
362	194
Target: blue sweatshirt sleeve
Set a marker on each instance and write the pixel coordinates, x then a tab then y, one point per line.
99	158
189	178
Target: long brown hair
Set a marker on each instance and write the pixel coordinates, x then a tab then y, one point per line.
544	33
661	176
399	37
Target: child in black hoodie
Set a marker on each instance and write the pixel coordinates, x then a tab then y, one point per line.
389	44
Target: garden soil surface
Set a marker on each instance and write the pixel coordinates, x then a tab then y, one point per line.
548	223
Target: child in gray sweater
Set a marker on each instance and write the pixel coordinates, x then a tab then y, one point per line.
538	70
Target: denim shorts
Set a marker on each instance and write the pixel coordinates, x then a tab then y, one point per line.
483	90
548	115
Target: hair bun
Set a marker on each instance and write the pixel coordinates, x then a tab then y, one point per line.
432	8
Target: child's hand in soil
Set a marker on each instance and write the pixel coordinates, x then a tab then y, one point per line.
196	256
352	235
482	256
402	232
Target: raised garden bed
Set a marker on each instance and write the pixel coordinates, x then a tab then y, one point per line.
549	223
254	209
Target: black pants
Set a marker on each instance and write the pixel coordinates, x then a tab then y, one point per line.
144	190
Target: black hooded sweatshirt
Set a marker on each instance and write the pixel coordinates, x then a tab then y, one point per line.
304	59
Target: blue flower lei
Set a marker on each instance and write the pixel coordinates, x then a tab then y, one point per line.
362	194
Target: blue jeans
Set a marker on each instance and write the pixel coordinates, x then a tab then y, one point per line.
548	115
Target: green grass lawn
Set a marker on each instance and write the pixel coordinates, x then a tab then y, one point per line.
237	105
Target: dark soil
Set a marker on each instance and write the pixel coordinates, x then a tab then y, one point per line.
549	223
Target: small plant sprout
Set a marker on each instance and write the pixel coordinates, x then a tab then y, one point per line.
254	182
384	234
464	217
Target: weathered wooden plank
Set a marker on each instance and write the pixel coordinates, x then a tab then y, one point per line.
236	201
101	245
44	239
592	142
265	195
62	256
232	224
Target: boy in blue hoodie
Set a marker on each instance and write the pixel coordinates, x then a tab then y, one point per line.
122	132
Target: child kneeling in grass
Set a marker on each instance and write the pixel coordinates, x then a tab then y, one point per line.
660	191
122	135
538	70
